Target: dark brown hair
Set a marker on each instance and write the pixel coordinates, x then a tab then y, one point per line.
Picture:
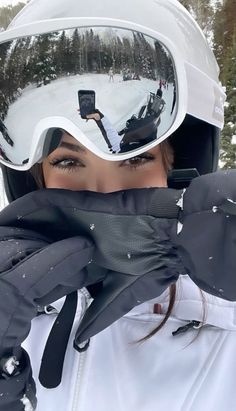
37	173
167	154
172	298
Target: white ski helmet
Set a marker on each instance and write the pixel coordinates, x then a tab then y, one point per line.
193	130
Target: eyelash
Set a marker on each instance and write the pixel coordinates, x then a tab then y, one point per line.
73	163
138	161
132	163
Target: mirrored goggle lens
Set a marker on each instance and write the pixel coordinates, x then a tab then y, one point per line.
116	87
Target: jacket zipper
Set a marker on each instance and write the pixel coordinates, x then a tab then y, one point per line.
85	302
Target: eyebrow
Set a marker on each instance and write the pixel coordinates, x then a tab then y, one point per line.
73	147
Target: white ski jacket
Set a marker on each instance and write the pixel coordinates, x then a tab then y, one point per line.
192	371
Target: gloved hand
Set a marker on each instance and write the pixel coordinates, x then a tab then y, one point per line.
198	239
206	239
33	273
138	239
131	231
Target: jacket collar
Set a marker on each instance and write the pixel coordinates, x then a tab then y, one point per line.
193	304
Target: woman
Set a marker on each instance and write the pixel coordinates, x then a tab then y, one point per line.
153	356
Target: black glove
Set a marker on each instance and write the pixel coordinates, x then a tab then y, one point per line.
207	240
201	233
131	231
33	273
136	238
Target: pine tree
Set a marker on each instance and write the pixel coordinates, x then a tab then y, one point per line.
129	65
225	50
203	13
219	25
3	90
92	57
7	13
147	58
15	67
76	53
186	4
61	53
228	155
42	67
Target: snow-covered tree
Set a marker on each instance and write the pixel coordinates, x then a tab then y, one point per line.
76	53
218	21
7	13
203	12
41	66
225	51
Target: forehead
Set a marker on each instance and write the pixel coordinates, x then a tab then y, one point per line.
69	142
68	138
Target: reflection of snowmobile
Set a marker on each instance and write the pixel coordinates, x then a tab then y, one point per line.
5	134
155	105
142	129
127	75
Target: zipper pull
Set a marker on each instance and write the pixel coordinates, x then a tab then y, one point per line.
82	347
192	324
85	303
47	309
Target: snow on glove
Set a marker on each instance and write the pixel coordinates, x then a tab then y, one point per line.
207	241
131	232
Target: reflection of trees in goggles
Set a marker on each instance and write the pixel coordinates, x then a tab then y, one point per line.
38	60
59	79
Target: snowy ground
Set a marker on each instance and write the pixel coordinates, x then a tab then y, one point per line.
118	100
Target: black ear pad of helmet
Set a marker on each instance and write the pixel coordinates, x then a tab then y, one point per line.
17	183
196	145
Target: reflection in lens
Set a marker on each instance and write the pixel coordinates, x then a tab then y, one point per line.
129	79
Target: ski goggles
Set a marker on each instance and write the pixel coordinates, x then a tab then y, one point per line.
115	90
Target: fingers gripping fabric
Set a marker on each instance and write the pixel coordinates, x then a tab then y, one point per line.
123	225
131	236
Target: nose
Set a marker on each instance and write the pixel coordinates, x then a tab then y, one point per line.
103	181
103	185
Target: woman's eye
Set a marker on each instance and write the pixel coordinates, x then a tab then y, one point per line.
66	163
137	161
